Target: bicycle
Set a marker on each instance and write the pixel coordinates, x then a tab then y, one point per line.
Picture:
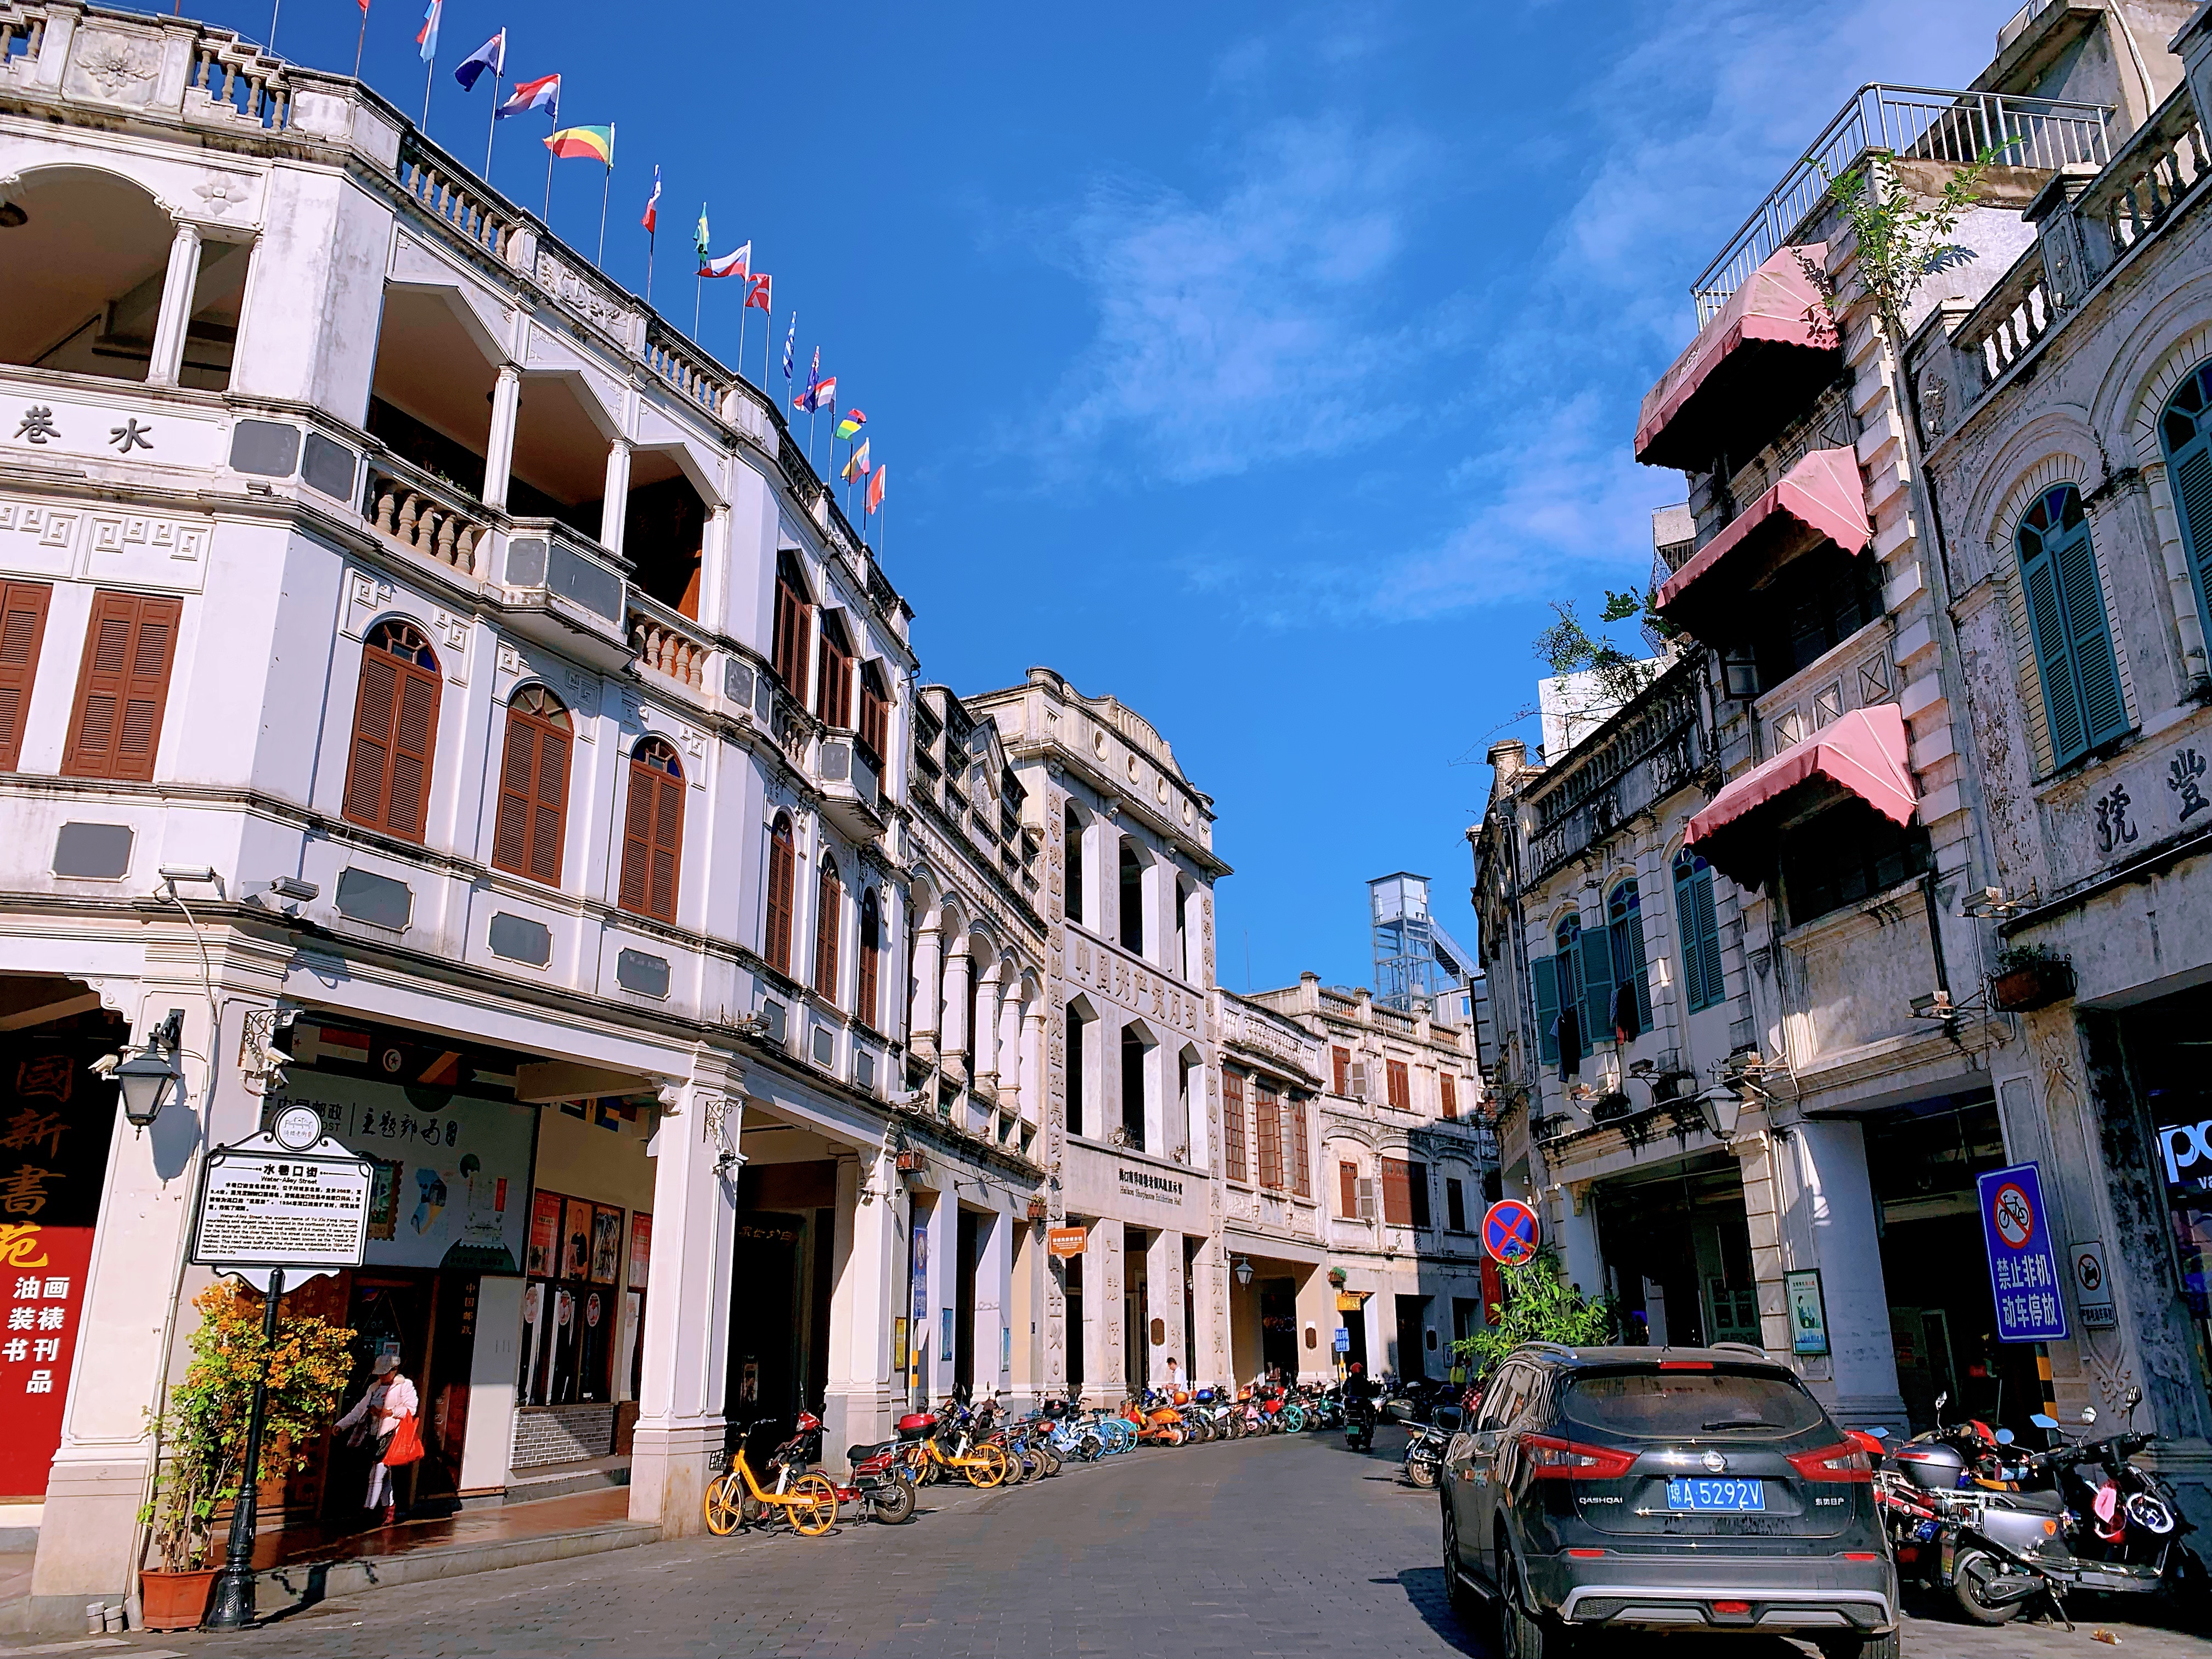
736	1498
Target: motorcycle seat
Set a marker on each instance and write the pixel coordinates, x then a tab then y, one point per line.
2034	1503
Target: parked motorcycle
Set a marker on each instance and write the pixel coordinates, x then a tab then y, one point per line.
1425	1452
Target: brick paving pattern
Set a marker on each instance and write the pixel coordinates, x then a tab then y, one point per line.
1266	1548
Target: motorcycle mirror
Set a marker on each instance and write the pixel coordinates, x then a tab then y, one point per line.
2004	1437
1941	1401
2043	1422
2088	1413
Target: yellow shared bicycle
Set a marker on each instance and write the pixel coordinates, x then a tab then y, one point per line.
736	1498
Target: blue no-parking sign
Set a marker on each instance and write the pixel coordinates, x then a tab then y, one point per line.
2023	1275
1508	1232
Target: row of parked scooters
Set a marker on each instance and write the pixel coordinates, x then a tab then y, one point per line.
2006	1530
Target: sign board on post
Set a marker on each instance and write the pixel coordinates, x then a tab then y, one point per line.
2024	1270
2093	1285
1508	1232
296	1201
1343	1340
1067	1241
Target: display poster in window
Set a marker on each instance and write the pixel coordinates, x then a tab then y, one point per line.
2024	1268
451	1169
898	1343
1809	1312
576	1238
606	1245
544	1234
641	1250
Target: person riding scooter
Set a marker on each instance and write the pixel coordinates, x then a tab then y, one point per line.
1359	1409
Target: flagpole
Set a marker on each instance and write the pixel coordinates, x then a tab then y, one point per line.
741	336
698	292
491	127
429	71
648	267
274	8
360	40
548	214
605	184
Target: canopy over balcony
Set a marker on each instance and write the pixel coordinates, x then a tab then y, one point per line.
1758	362
1820	502
1862	754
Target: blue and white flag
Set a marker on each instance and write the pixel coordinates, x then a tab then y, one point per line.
427	41
790	344
492	55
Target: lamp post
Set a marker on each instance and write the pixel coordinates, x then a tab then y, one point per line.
234	1585
1243	1270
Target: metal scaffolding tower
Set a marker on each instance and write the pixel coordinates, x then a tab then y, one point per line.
1414	956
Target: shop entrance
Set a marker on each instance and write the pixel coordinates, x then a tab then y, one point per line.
1354	1320
1136	1348
1922	1160
428	1319
1678	1253
2166	1055
1279	1327
1412	1324
963	1304
766	1319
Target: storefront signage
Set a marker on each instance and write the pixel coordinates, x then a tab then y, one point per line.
1067	1241
2186	1146
1139	1183
1350	1301
1508	1232
2024	1270
262	1205
1809	1311
2093	1285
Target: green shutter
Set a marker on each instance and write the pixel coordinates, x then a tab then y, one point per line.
1709	938
2089	635
2061	703
2191	472
1628	964
1597	986
1546	972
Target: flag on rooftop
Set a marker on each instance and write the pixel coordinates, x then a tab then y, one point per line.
427	39
584	144
856	464
492	55
790	344
544	93
739	263
699	236
759	290
852	422
876	488
652	219
820	394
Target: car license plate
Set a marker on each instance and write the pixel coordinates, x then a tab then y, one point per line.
1736	1496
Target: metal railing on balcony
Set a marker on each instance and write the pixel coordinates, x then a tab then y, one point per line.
1916	123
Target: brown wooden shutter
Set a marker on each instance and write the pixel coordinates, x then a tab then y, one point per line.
1448	1093
667	843
1232	1125
779	877
551	807
533	799
1397	1192
1341	1064
395	729
1300	1157
653	842
1267	1112
637	840
510	839
1347	1182
123	687
22	631
1401	1093
829	906
414	747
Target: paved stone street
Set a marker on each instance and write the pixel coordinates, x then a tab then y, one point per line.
1280	1547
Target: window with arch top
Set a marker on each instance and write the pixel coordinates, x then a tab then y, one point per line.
534	786
652	830
2073	657
2184	432
875	712
833	696
395	731
782	872
792	625
828	916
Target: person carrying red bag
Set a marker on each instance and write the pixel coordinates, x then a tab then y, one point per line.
385	1420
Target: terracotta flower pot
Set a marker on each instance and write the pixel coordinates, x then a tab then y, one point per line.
2037	986
174	1600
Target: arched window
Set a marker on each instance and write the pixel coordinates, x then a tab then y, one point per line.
829	918
2066	613
1072	852
2184	432
834	697
1132	899
875	712
533	787
1631	1009
791	626
1560	987
1700	930
395	731
652	830
783	867
872	944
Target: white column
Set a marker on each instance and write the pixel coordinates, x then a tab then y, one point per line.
941	1279
983	1041
1033	1043
176	312
617	499
862	1304
714	566
994	1299
1104	1374
687	1304
1008	1046
499	444
1829	1225
928	992
1164	1302
952	1029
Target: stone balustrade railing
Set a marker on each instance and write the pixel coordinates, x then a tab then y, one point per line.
236	76
450	195
2012	317
436	521
668	643
2162	163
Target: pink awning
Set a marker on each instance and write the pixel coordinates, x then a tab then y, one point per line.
1758	361
1821	499
1862	753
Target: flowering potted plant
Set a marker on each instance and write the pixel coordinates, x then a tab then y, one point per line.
203	1436
2028	977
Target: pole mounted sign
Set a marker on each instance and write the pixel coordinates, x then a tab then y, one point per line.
1508	1232
1067	1241
289	1197
2024	1270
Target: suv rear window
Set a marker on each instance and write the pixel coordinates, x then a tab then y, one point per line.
1647	1405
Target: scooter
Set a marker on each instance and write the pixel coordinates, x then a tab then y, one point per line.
1359	1424
1425	1452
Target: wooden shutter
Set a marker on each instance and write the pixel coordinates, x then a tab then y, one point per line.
2089	635
123	687
653	842
2191	469
1628	968
780	875
1448	1094
22	631
395	733
1232	1125
1340	1063
530	828
1700	929
1348	1188
1400	1085
1545	971
1301	1154
1597	986
1397	1192
1267	1110
863	1002
829	908
2062	701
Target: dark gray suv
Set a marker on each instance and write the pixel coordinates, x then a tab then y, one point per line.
1664	1488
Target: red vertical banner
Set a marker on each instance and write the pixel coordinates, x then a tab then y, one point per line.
56	1117
1493	1290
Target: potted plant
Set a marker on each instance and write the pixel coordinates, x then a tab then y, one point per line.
2028	977
1336	1277
201	1437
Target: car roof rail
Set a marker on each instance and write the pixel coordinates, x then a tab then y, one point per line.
1552	1348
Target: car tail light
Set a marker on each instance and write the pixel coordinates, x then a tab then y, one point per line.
1859	1555
1842	1461
1565	1460
1685	1365
1587	1555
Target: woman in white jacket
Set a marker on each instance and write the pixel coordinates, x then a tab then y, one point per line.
374	1416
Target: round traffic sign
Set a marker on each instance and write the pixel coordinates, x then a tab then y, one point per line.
1508	1232
2013	1216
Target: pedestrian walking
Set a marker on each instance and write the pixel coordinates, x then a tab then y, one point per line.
1175	1379
383	1422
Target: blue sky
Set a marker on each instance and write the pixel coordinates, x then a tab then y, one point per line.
1269	370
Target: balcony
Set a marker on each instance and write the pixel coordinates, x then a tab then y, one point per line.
1911	123
851	793
670	644
428	516
565	592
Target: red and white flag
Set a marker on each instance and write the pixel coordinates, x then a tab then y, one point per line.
876	488
757	294
739	263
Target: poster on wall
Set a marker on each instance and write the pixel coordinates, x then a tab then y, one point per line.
450	1170
1809	1311
641	1250
606	1244
544	1234
576	1239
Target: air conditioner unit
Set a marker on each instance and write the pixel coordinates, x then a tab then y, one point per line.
1367	1198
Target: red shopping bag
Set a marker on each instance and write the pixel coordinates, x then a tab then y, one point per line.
406	1445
